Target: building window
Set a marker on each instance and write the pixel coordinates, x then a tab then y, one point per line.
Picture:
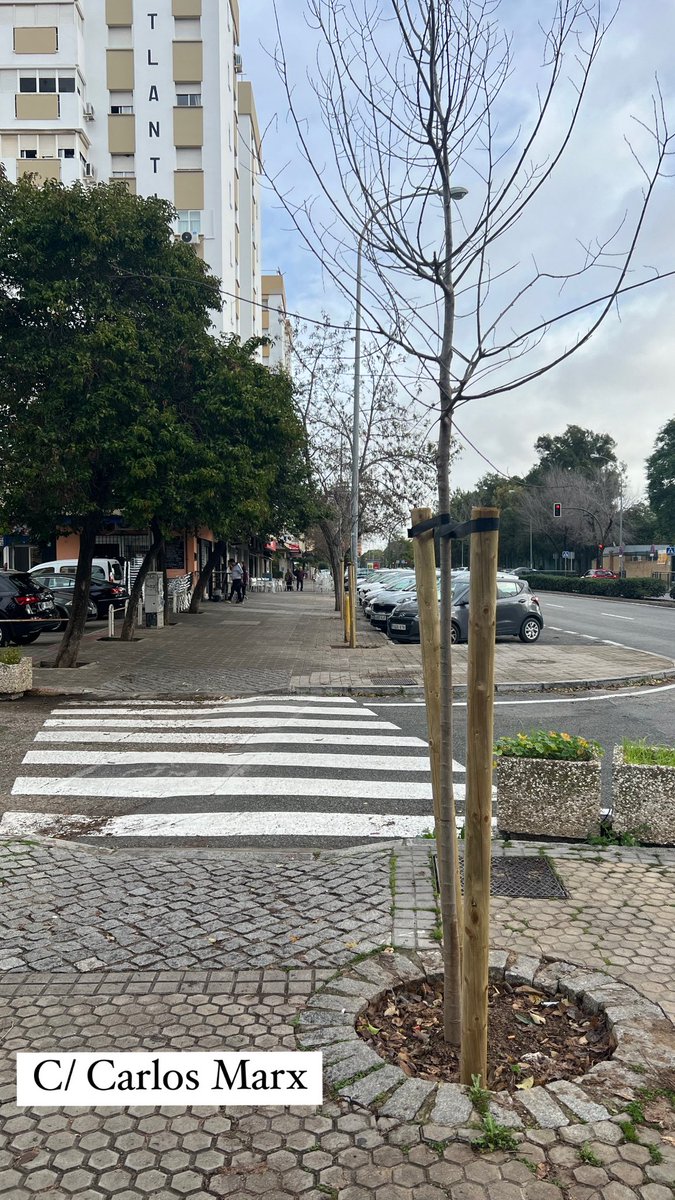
66	153
190	221
46	83
119	110
29	153
189	100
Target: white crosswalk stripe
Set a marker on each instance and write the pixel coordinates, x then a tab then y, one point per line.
285	767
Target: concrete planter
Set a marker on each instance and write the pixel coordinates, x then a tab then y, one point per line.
539	796
643	799
16	678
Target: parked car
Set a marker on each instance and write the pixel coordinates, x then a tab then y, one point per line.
104	569
521	571
101	593
383	580
62	588
379	604
25	609
518	612
600	573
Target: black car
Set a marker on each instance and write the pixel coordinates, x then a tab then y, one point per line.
518	612
62	589
26	608
101	593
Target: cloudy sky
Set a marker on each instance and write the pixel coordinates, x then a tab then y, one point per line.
622	382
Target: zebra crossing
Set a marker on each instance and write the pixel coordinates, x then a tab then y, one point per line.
294	769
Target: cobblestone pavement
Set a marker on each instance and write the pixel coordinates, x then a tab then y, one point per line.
170	905
70	906
340	1150
286	642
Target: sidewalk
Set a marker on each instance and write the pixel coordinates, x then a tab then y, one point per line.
129	950
294	642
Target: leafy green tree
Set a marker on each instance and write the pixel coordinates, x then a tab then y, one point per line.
640	524
661	479
97	305
576	449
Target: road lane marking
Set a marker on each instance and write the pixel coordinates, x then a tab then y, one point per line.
340	762
160	787
226	700
223	824
215	711
285	737
616	617
246	722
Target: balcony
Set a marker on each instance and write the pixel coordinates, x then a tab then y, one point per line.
42	168
37	106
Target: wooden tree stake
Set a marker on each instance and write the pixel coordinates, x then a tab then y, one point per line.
478	817
352	605
445	824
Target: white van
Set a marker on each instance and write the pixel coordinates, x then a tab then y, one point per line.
107	570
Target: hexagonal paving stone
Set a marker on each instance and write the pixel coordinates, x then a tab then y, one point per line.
408	1175
9	1180
77	1181
151	1181
186	1182
115	1181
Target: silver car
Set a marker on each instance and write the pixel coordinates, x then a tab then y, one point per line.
518	611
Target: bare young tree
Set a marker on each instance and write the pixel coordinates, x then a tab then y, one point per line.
589	506
396	460
413	102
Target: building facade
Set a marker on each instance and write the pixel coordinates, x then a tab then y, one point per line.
149	94
275	323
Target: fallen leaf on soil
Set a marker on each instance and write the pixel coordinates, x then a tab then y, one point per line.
525	1083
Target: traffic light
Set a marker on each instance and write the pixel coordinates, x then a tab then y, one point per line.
557	509
601	549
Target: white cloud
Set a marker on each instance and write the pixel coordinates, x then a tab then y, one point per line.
621	382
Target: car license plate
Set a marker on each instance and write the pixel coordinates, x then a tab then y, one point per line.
394	626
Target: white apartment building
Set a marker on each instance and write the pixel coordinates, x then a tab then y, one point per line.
149	93
275	323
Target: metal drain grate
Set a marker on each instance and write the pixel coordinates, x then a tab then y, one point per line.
398	677
529	878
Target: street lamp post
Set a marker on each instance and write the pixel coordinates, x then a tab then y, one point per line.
456	193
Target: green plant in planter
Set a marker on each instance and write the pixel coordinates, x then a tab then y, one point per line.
11	656
640	754
540	743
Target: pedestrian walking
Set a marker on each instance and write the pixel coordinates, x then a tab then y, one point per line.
299	579
288	579
244	582
236	580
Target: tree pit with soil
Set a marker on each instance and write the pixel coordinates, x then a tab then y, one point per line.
533	1038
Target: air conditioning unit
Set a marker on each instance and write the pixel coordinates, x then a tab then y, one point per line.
238	64
89	112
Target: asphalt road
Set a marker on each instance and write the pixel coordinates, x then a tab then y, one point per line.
606	717
619	622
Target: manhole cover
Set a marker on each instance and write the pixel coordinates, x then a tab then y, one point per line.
394	677
530	878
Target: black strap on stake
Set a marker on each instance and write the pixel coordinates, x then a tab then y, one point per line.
442	524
